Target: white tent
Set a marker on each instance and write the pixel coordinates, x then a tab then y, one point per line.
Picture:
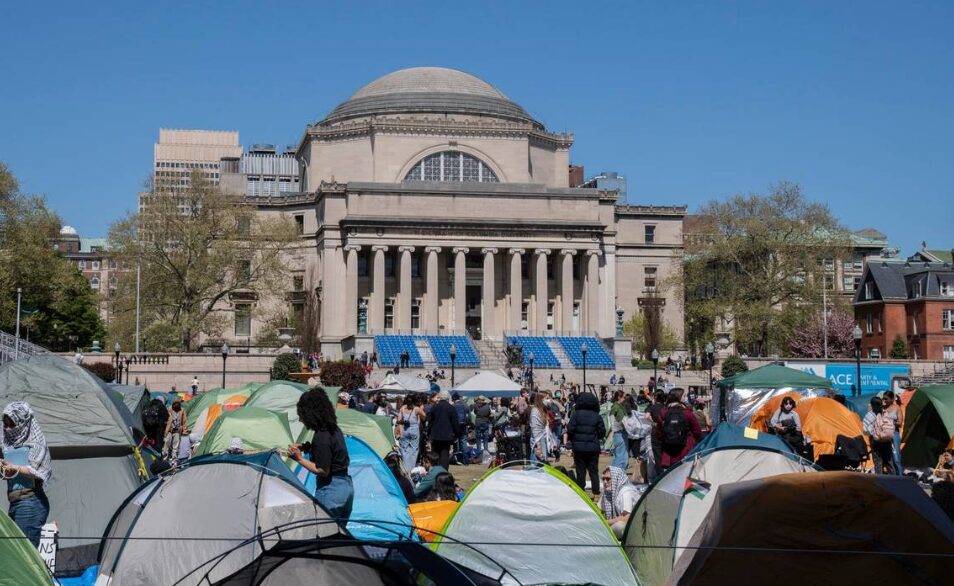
404	383
489	384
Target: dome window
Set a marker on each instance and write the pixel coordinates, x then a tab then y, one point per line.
451	166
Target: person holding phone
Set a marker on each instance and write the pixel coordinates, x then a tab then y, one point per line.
27	467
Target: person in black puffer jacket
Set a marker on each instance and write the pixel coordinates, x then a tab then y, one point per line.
585	434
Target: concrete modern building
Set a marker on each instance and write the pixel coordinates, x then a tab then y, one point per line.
180	152
431	202
914	300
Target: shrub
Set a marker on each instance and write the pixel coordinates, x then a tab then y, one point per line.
642	364
733	365
285	364
514	356
898	348
347	374
104	370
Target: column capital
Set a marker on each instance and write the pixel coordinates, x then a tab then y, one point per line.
436	249
406	248
353	247
568	251
461	250
488	250
379	248
516	251
594	252
544	251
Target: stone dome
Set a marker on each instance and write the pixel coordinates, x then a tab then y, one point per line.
433	90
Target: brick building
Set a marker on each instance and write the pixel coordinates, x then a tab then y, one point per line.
912	299
91	258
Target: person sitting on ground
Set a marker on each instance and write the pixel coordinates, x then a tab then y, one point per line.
618	499
445	489
393	460
432	464
472	453
786	424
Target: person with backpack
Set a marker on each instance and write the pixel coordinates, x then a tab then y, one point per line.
176	426
154	417
463	418
880	431
677	430
585	432
620	448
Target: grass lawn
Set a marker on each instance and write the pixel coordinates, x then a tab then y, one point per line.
466	476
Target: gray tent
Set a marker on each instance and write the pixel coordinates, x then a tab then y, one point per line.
203	519
135	398
95	463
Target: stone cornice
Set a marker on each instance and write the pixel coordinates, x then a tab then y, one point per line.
648	210
525	190
286	199
490	224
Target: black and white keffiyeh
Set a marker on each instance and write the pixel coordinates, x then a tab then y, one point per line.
26	432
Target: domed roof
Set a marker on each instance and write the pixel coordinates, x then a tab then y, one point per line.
68	231
429	90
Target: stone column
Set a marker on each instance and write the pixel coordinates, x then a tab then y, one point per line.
566	289
432	300
377	289
460	288
516	287
404	289
592	290
351	289
489	295
543	298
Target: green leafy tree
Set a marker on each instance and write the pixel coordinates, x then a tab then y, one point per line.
200	251
733	365
59	308
899	349
638	328
758	262
285	364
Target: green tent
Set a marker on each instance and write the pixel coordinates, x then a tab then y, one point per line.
739	397
928	425
280	396
259	429
774	376
22	564
367	428
196	406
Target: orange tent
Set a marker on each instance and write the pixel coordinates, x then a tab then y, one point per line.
205	420
431	516
824	419
760	420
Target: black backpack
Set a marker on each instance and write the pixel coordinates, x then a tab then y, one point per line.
675	430
152	415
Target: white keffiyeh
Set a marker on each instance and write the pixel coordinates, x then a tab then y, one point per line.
26	432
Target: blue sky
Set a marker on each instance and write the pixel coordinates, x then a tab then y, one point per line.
690	100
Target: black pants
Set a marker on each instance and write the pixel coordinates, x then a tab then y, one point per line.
443	450
584	462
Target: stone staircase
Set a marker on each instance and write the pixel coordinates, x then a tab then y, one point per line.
560	354
491	353
939	376
427	356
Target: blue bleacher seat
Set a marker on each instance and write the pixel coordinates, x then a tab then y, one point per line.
390	346
596	354
466	353
542	355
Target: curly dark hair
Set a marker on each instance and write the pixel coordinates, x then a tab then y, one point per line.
315	410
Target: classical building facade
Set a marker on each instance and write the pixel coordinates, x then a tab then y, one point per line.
430	201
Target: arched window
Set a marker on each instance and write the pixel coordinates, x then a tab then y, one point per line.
451	166
94	282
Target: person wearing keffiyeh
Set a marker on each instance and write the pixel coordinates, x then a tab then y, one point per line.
618	499
27	467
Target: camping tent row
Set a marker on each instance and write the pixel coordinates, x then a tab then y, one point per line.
678	502
92	438
739	397
823	420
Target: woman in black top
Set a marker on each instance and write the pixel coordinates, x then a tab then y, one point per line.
328	454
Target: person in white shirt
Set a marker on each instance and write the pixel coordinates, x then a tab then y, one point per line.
195	385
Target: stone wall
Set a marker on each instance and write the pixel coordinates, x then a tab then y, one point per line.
159	372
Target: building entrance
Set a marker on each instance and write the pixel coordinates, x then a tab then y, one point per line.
472	313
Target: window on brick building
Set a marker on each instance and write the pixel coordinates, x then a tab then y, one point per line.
948	352
94	282
869	323
881	323
874	353
914	324
947	288
81	264
95	265
869	290
947	319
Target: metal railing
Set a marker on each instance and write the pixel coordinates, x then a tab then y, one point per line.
11	349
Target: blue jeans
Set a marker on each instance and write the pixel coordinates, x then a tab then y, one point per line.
897	453
30	515
337	497
482	434
620	450
410	446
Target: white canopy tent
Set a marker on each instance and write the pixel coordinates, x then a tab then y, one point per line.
489	384
404	383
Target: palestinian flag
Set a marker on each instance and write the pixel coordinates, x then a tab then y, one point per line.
697	488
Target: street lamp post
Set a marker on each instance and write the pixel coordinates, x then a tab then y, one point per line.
583	352
856	334
453	357
710	358
530	357
225	355
117	365
655	356
128	362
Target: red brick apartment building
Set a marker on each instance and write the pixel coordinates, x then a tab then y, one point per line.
912	299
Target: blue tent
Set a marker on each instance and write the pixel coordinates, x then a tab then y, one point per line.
377	496
729	434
